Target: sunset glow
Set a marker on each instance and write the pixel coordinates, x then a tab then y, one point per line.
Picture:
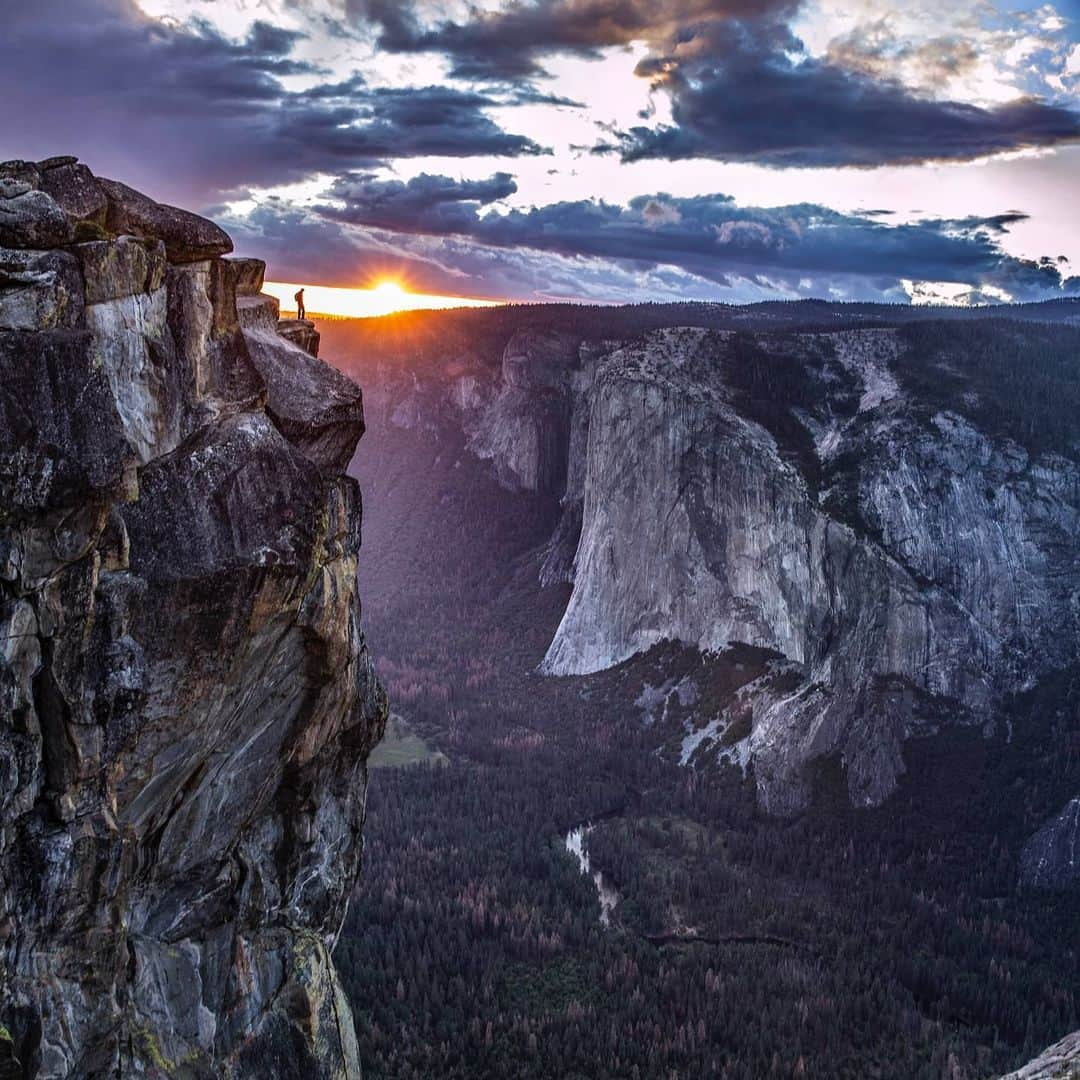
384	298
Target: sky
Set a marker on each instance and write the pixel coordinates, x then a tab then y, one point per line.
588	150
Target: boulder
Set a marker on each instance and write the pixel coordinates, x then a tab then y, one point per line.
188	238
315	407
76	191
189	520
132	345
258	313
39	290
25	171
30	218
10	187
203	320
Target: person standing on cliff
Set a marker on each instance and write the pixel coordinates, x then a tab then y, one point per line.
301	311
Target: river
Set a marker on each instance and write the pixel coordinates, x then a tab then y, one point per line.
577	844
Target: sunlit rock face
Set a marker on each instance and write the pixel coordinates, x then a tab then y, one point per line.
186	699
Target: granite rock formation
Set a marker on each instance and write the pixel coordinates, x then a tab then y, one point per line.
186	698
932	563
525	430
905	566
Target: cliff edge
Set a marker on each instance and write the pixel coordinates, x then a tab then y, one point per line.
186	699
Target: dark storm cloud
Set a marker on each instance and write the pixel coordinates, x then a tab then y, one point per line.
741	86
396	21
740	92
708	236
384	123
305	246
187	114
433	204
512	41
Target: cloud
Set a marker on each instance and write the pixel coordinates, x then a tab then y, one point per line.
188	113
193	116
429	204
741	84
745	92
301	245
449	232
510	42
429	121
395	19
874	49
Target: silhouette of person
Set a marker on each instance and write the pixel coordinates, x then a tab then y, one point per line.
301	311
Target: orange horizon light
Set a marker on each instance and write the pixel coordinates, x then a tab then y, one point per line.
385	297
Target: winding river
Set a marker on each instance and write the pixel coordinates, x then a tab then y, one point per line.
577	844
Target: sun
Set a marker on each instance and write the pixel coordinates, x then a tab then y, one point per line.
385	296
388	289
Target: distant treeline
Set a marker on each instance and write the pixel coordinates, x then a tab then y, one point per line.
1016	382
1015	369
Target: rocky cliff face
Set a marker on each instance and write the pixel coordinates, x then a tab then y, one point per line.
929	562
1051	859
903	565
524	430
186	700
1058	1062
